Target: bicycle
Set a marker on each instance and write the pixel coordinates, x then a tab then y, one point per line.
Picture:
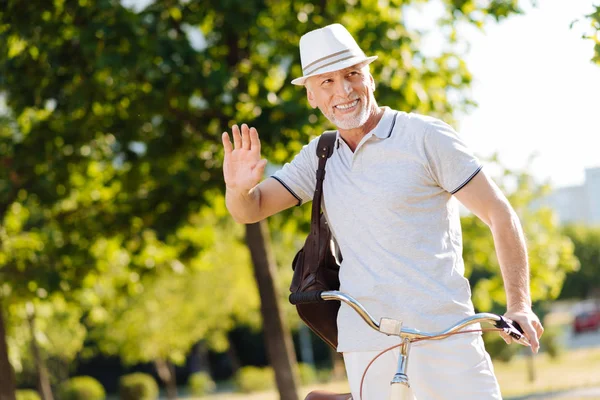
400	386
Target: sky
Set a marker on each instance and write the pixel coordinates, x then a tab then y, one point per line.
537	93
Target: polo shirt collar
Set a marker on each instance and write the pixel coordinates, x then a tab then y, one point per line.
384	128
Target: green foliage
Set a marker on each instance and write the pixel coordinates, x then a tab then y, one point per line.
324	375
254	379
594	19
550	252
59	333
584	282
81	388
200	384
552	341
28	394
138	386
111	154
498	349
166	313
308	373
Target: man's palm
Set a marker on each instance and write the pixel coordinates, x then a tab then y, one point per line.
243	167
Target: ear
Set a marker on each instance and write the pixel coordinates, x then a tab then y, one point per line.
372	81
311	98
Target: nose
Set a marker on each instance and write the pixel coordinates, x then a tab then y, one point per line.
343	87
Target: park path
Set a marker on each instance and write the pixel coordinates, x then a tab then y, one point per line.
575	394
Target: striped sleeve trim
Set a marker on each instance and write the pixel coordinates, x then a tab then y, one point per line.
288	189
467	181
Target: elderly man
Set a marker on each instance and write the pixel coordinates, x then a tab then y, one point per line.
389	198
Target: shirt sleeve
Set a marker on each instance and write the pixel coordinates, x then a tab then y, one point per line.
299	176
451	163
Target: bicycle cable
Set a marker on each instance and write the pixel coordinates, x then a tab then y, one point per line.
362	380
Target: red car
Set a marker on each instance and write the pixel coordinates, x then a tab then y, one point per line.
588	320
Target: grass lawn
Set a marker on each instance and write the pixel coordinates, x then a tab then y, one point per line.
574	369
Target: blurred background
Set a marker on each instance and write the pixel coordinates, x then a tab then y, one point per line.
122	276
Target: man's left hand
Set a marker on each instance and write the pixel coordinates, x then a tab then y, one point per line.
530	323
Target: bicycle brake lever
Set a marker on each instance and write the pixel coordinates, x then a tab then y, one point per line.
514	330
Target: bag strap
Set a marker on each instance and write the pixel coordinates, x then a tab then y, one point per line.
324	151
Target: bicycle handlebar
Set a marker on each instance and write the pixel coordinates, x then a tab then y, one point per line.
393	327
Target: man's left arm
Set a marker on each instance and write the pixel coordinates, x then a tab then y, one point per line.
484	199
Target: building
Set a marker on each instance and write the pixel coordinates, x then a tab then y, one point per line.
577	204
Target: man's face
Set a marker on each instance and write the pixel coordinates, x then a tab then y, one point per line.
345	97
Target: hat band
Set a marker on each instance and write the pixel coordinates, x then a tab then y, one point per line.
330	63
324	58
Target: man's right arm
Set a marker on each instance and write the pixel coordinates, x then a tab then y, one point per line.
265	199
247	200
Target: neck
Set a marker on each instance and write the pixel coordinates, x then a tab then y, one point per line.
352	137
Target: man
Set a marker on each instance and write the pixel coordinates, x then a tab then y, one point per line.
389	199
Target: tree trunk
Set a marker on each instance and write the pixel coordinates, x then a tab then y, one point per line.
7	375
234	359
199	359
531	373
278	340
43	380
166	373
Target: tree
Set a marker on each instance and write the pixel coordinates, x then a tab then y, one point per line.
118	117
585	282
550	252
594	19
159	317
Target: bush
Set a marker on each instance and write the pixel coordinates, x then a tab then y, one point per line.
81	388
308	374
254	379
27	394
200	383
138	386
498	349
324	375
551	341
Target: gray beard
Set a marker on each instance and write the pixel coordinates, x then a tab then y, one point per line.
353	122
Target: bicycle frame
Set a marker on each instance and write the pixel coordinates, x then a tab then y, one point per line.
400	385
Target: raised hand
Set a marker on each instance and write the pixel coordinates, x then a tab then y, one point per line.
243	166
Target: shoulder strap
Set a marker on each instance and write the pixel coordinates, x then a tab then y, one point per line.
324	151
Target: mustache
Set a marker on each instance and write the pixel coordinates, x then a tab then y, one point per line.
348	100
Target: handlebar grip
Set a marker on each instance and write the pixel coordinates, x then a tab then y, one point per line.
306	297
517	326
510	327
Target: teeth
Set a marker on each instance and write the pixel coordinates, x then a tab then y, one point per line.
347	106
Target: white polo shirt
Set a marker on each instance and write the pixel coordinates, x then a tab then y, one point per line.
390	206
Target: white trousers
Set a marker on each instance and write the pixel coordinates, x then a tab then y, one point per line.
454	368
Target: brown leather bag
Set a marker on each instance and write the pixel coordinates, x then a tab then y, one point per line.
316	265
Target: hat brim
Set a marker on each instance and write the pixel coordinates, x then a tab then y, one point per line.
336	67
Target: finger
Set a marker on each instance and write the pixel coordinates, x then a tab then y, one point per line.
254	140
538	328
259	169
245	137
506	337
237	138
531	335
226	143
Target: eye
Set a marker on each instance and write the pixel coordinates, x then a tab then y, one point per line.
326	81
353	73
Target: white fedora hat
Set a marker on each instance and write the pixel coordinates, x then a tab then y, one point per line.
328	49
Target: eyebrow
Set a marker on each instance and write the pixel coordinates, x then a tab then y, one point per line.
343	71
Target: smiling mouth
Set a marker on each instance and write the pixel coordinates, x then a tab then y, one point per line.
347	106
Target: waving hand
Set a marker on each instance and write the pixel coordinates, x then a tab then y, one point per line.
243	166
